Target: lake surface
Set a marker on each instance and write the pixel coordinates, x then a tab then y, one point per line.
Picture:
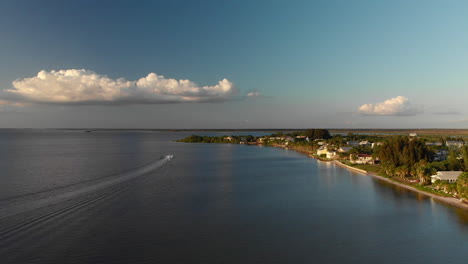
213	203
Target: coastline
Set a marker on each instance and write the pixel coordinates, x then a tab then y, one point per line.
446	200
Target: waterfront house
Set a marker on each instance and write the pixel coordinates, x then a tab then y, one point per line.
413	135
228	138
449	176
361	159
289	139
373	145
457	144
322	151
331	154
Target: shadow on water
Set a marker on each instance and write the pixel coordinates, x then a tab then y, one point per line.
404	197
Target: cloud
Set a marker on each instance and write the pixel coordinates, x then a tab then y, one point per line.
253	94
397	106
87	87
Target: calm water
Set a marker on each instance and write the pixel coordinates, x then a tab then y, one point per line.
211	204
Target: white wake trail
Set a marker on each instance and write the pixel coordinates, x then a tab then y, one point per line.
24	206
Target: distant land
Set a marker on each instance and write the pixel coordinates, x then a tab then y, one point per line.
421	131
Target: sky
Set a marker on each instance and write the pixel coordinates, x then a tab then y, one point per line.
233	64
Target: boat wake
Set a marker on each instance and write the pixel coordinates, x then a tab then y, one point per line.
31	203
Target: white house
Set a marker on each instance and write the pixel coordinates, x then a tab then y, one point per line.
455	143
364	143
322	151
438	144
373	145
228	138
449	176
413	135
361	159
331	154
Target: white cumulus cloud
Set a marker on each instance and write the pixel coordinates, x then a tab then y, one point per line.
87	87
397	106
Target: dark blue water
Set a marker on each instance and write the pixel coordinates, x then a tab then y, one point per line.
213	203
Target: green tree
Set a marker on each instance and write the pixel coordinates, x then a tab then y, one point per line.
462	185
317	134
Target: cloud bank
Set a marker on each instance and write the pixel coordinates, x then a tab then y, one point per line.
397	106
87	87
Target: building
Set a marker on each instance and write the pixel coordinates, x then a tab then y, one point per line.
361	159
373	145
449	176
331	154
228	138
441	155
322	151
437	144
364	143
289	139
344	149
352	143
413	135
457	144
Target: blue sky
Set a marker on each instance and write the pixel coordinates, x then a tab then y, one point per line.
312	63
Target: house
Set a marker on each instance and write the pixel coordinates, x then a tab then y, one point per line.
261	140
344	149
449	176
361	159
373	145
364	143
457	144
331	154
301	137
413	134
322	151
441	155
229	138
352	143
437	144
289	139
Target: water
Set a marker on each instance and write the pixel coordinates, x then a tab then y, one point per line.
213	203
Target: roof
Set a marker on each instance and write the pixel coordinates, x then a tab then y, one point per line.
364	155
455	142
447	175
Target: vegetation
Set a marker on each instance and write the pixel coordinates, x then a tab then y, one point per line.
404	157
317	134
462	185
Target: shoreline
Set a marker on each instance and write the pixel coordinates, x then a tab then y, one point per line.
445	200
